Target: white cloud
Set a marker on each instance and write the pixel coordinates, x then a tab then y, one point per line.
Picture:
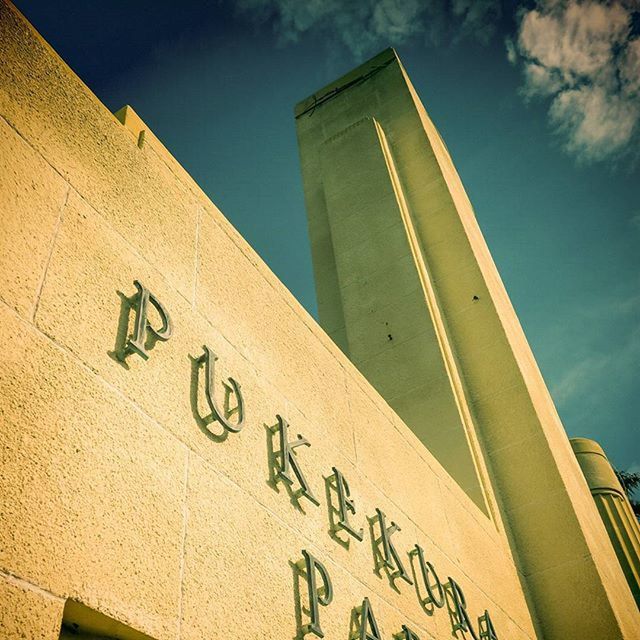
597	124
581	55
366	25
540	80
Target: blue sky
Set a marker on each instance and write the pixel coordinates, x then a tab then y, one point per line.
539	104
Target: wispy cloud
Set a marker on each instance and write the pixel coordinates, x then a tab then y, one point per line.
581	380
367	25
584	57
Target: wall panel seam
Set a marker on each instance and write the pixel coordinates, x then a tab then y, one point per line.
52	244
27	585
185	515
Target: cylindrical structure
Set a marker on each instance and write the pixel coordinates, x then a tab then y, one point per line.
614	507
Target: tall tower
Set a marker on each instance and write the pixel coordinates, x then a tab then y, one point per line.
407	288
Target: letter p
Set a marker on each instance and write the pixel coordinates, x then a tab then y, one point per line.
317	595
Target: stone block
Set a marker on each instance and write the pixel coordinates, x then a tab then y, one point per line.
134	189
84	307
27	613
169	385
32	195
400	275
507	416
597	622
231	536
93	489
549	511
533	462
385	323
165	386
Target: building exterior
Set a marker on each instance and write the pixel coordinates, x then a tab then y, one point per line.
186	454
614	508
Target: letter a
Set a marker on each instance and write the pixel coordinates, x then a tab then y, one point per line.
407	634
486	628
368	622
459	617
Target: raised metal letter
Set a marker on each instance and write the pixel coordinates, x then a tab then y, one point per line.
368	621
322	596
460	618
485	626
345	505
288	461
136	343
390	557
425	568
209	358
406	634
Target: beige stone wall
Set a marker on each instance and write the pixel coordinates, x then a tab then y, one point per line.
112	493
27	611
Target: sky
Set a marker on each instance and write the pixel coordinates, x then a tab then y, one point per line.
539	105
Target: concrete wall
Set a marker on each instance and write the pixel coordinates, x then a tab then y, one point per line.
114	494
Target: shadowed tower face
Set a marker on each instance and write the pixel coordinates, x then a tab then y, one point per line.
407	288
364	155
